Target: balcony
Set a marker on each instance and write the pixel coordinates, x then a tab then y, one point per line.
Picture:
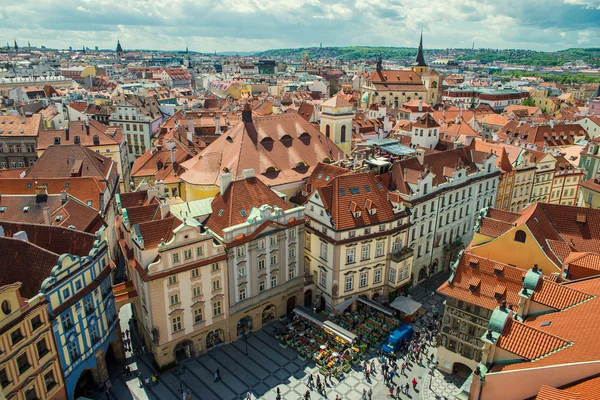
456	243
401	255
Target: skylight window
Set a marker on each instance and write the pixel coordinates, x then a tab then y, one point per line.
342	192
354	190
243	213
319	176
379	186
368	189
221	211
546	323
327	178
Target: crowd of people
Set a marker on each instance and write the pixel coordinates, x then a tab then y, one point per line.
395	369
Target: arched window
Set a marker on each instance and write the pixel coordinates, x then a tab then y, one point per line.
327	130
343	134
520	236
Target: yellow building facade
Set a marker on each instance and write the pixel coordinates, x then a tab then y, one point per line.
29	364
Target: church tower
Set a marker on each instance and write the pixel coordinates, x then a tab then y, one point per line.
119	49
420	67
336	122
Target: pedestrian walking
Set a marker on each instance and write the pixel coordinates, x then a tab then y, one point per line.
127	332
248	396
391	392
310	381
370	394
216	376
307	395
414	383
406	387
398	391
392	376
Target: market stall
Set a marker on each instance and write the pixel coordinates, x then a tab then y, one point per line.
406	306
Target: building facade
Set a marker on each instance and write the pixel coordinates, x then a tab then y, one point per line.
29	364
19	140
356	239
83	315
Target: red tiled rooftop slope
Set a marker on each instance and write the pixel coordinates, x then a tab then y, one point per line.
485	296
587	389
241	195
527	341
558	296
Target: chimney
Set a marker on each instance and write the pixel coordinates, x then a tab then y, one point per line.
225	181
164	210
21	235
152	193
47	217
63	197
217	124
420	154
420	105
247	114
457	120
191	130
67	133
87	126
173	156
248	173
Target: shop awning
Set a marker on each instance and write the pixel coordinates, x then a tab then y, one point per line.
345	304
339	331
375	305
405	305
304	312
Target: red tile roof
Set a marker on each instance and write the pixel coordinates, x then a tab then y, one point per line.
587	389
557	296
458	286
241	195
107	135
359	191
153	232
280	148
321	176
71	160
577	324
527	341
16	126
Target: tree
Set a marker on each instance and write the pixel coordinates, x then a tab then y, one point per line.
528	102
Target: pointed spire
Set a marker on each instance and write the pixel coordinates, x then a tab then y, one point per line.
420	57
16	46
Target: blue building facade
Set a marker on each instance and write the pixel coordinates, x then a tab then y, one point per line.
83	314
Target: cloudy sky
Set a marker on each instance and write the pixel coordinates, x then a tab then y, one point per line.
250	25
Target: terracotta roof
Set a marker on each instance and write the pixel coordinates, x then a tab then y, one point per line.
306	111
493	228
361	191
53	238
85	189
17	256
474	267
336	102
527	341
494	119
321	176
426	121
16	126
557	296
71	160
587	389
281	149
438	163
141	214
79	106
394	76
241	195
581	265
107	135
134	199
577	324
153	232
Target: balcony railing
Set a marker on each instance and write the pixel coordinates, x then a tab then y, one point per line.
401	255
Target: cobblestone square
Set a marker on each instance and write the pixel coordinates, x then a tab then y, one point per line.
268	367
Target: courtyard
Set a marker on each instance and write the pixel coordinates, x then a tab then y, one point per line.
259	365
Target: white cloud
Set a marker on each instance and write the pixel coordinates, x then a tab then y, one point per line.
248	25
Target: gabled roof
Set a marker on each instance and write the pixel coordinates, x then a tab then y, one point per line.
471	266
586	389
558	296
153	232
348	194
241	195
528	342
71	160
321	176
426	121
86	134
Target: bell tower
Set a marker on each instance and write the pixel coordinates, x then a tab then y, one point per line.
420	67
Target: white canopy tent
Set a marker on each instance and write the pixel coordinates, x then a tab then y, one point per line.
406	305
